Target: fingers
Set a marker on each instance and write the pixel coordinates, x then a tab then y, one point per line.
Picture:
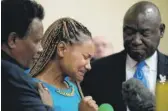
44	94
41	87
90	102
93	104
87	98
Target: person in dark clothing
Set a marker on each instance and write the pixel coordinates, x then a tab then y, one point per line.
142	31
22	31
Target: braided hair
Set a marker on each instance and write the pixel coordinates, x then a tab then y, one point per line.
64	29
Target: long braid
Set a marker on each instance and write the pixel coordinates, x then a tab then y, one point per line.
49	45
64	29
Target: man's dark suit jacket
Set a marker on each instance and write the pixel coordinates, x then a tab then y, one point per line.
104	81
18	90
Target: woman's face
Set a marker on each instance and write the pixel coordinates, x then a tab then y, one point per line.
75	61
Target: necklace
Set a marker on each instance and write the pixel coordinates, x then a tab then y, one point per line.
65	93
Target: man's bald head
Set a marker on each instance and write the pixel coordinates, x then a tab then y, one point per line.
142	30
143	8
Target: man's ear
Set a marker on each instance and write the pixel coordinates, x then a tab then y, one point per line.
61	49
12	40
162	29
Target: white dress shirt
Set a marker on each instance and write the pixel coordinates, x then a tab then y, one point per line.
150	70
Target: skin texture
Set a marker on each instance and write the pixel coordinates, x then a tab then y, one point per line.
23	49
76	59
73	60
68	49
142	30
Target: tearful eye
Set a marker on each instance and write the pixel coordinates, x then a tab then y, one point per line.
85	57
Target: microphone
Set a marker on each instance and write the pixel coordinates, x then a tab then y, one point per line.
137	97
105	107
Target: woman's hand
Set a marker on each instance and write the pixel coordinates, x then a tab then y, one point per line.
88	104
44	94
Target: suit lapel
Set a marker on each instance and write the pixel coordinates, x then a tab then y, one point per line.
161	66
122	74
123	65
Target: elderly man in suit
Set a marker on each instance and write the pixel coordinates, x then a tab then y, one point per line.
22	31
142	31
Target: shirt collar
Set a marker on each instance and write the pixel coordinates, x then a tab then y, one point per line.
150	62
130	62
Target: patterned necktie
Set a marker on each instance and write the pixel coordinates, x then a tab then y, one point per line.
139	74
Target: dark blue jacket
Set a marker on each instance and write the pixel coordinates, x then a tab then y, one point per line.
18	90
